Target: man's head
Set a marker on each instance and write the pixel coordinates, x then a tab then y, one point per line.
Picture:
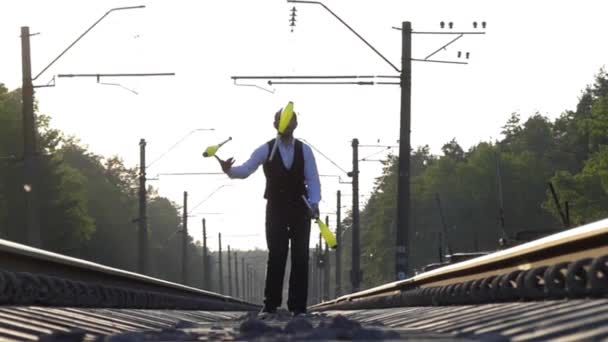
292	124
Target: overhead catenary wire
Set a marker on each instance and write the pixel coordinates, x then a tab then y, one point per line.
350	28
121	86
322	154
308	77
157	176
337	176
177	143
443	47
190	173
377	152
83	34
436	61
316	80
252	85
209	196
321	83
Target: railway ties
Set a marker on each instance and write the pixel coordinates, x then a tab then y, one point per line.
67	324
78	324
563	320
551	288
554	288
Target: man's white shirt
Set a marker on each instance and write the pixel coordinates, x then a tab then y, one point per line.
287	151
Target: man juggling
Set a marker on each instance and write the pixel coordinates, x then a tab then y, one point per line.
291	172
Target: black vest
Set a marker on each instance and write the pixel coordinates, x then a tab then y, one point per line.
282	184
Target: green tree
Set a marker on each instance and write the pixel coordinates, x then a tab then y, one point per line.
586	191
111	201
64	222
584	186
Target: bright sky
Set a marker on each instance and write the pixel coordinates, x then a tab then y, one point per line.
536	56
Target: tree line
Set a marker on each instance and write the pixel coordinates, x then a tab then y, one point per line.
88	205
460	192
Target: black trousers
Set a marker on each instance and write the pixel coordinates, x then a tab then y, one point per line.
287	224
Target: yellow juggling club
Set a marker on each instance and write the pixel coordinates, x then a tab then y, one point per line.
286	116
284	121
329	237
212	150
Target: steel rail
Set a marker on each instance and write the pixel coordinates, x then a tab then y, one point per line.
581	243
22	266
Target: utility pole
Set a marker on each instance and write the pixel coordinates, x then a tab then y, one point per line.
326	264
403	180
254	284
339	248
444	242
315	274
311	278
236	275
229	271
243	279
320	264
355	273
249	284
206	273
30	147
219	257
501	212
185	240
30	136
142	220
248	296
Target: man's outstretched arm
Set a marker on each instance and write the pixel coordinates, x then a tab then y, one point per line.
247	168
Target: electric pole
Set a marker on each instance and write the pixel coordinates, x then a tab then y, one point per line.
355	273
31	151
30	147
339	248
320	264
243	279
206	273
229	270
142	220
327	267
221	273
248	297
403	181
185	240
249	284
445	243
311	277
315	274
254	284
236	275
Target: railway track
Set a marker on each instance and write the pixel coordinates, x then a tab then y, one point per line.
30	276
570	264
551	288
549	320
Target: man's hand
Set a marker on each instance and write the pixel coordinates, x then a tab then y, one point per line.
225	164
314	211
